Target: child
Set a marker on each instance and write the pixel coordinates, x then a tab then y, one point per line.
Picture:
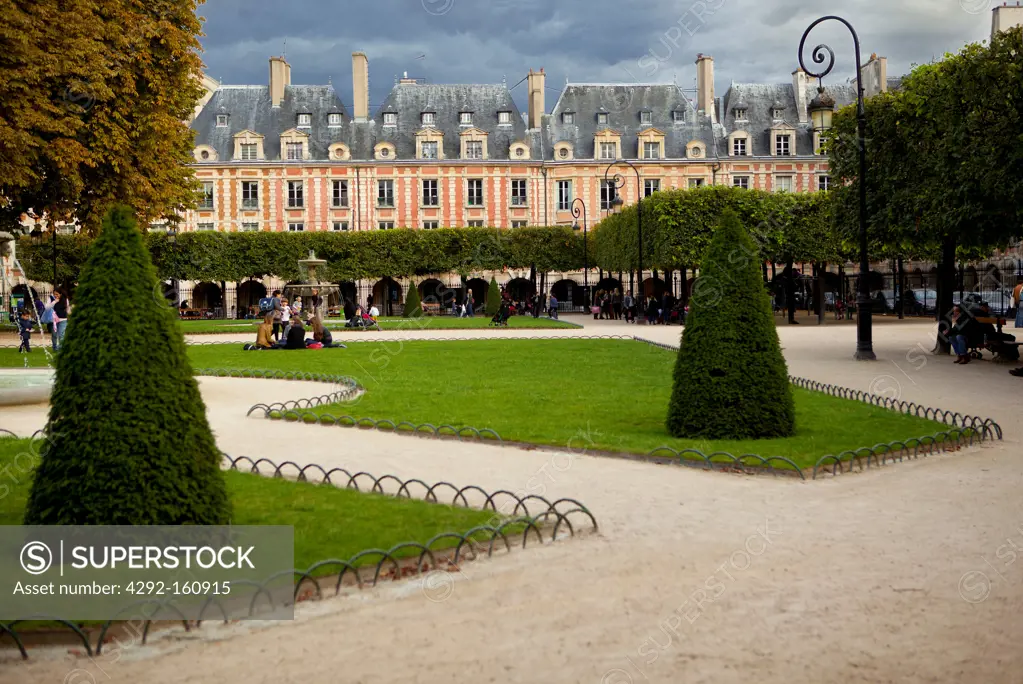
25	327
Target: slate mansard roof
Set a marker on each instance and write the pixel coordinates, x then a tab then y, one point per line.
623	104
249	108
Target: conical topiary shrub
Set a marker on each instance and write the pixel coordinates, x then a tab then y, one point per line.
413	305
730	377
493	297
128	442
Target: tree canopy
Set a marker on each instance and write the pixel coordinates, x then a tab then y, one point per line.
93	103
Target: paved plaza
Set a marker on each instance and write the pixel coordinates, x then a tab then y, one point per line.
896	574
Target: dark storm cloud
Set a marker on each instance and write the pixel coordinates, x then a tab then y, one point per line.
485	41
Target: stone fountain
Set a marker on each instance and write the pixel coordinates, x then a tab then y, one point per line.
313	293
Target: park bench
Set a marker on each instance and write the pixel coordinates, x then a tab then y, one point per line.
998	347
431	308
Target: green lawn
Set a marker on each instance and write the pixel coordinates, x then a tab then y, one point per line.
425	323
596	394
329	522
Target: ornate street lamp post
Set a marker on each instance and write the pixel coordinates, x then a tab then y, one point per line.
579	209
864	333
617	181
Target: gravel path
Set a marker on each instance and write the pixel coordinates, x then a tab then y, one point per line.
900	574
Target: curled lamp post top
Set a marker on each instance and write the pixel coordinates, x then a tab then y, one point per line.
823	54
579	208
619	180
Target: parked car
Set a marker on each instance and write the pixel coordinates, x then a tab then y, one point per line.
999	301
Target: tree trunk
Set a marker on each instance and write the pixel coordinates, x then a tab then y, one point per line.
683	291
764	269
900	274
790	291
819	296
946	286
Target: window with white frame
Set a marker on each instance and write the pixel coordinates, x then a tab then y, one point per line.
207	195
385	225
741	115
250	195
474	149
340	226
296	191
385	193
520	224
608	150
776	113
428	118
504	118
390	118
651	150
650	186
740	182
465	118
475	224
739	147
646	118
296	227
305	120
339	194
334	119
695	182
518	192
431	195
250	227
428	149
249	151
294	151
221	120
602	119
783	183
474	192
783	145
430	225
568	118
678	116
564	195
608	192
204	226
823	183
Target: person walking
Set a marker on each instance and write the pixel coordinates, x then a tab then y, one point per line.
629	304
25	329
470	306
552	311
46	318
61	311
1017	301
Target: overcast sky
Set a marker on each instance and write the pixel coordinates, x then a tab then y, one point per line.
483	41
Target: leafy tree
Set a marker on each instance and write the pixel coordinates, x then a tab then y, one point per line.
128	442
493	298
93	103
413	305
730	378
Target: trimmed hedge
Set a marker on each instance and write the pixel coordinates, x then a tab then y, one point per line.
413	305
493	297
235	257
128	441
730	378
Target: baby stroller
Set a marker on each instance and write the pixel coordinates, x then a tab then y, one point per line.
501	317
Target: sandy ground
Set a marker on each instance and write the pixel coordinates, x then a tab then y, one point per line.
904	574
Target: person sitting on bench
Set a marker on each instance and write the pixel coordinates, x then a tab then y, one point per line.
962	334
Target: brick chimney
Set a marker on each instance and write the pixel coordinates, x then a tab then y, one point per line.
799	91
536	83
705	86
1005	17
280	76
874	75
360	86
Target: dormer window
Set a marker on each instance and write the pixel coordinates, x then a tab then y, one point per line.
568	118
221	120
333	119
602	119
678	116
305	120
428	118
390	118
504	118
465	118
743	115
646	118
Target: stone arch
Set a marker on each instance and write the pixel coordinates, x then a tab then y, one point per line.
248	295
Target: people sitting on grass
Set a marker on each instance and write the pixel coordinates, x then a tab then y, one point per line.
294	335
264	334
321	335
